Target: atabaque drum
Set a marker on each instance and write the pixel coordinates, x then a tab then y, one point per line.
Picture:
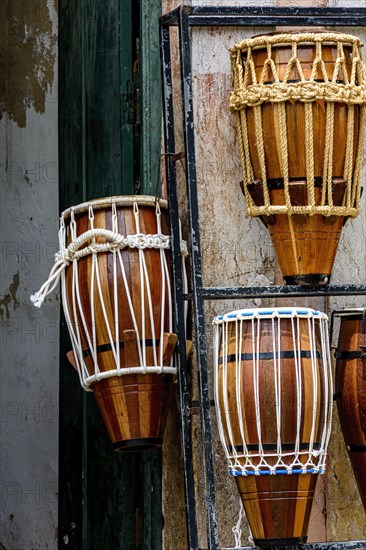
300	99
114	262
350	389
273	396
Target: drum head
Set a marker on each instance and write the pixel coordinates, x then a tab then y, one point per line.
123	200
265	313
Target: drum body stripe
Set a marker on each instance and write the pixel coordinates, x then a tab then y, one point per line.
267	355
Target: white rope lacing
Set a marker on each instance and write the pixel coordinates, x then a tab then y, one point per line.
229	335
237	529
97	321
116	241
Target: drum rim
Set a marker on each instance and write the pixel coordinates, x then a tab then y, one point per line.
350	312
118	200
327	38
269	313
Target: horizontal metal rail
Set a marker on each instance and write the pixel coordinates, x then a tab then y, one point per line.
346	545
286	291
209	16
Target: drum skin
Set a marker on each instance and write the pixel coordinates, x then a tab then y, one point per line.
277	506
133	406
350	388
305	245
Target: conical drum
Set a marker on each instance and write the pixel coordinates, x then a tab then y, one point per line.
273	396
300	99
114	263
350	389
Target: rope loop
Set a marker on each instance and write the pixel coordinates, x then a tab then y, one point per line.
114	241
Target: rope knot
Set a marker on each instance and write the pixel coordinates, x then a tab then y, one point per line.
114	241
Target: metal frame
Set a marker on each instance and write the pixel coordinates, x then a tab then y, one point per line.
185	17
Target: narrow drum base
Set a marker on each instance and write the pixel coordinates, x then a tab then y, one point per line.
140	444
277	507
268	543
308	279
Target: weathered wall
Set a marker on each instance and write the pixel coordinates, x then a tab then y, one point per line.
237	250
28	230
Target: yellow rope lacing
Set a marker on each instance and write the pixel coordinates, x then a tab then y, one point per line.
249	92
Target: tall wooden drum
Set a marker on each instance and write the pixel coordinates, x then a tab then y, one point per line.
114	262
300	105
350	389
273	396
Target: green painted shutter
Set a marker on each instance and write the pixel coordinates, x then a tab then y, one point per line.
150	98
109	130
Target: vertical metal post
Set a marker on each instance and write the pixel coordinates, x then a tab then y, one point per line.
183	375
195	251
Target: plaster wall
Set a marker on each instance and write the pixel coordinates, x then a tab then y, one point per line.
236	250
29	346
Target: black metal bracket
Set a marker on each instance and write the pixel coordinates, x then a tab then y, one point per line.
185	17
349	545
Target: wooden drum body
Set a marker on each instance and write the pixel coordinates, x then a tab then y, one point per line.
300	101
273	395
350	390
118	306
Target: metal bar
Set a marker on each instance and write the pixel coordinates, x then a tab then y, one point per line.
350	545
272	20
276	10
269	16
170	18
195	256
183	375
286	291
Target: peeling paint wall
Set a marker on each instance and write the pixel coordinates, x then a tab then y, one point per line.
29	42
28	229
237	250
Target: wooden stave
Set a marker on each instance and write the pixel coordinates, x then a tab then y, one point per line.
350	391
260	508
295	118
305	246
266	507
117	403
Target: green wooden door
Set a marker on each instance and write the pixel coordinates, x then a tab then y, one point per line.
109	129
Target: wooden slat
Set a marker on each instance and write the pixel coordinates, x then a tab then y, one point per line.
70	172
150	98
152	516
103	106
